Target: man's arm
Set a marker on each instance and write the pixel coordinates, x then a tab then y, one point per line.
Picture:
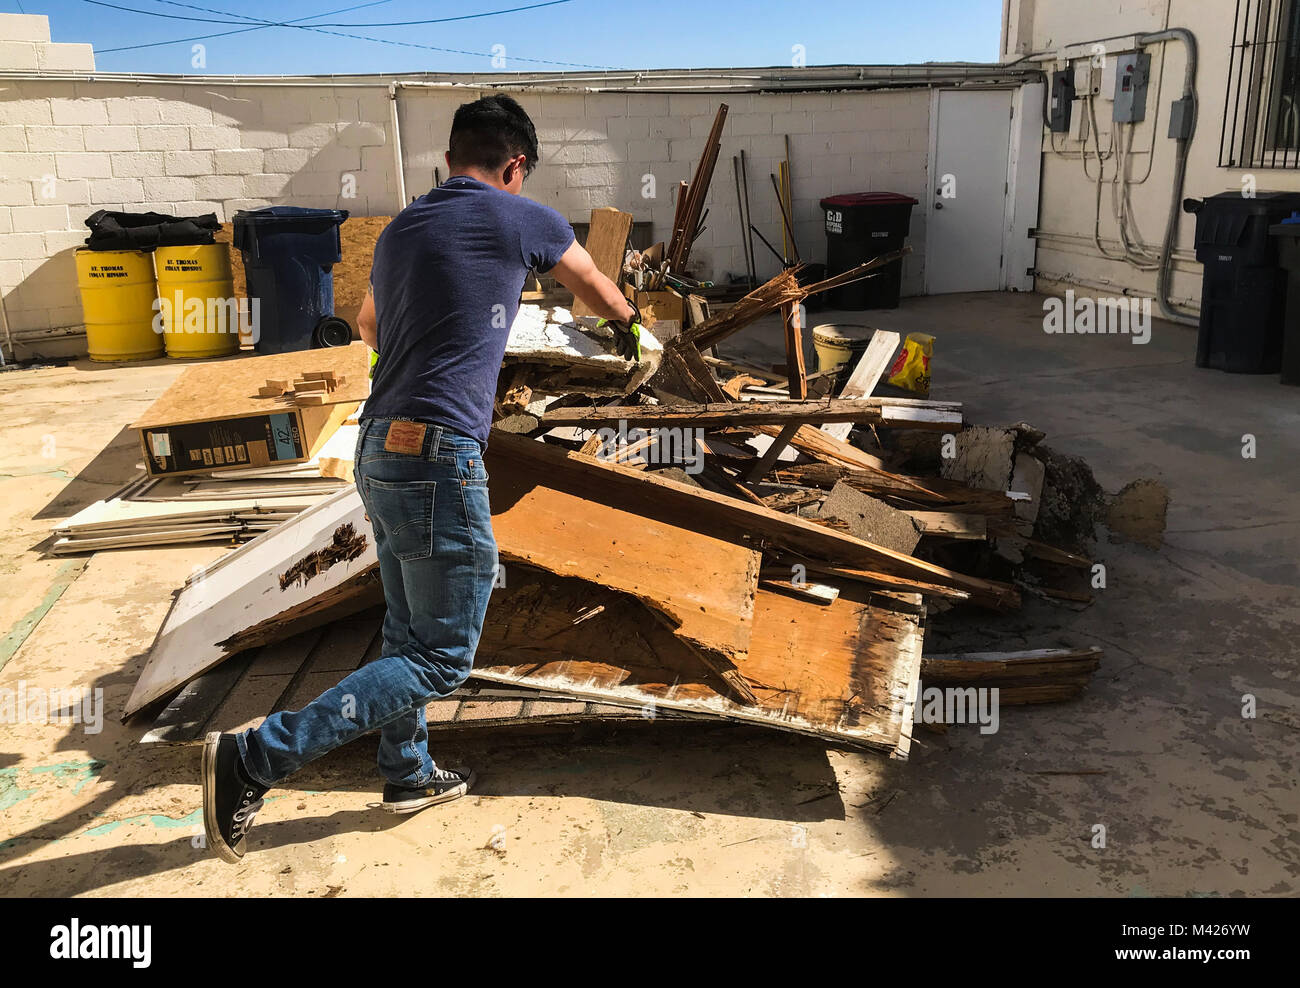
577	272
366	322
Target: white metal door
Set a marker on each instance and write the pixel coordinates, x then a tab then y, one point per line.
971	139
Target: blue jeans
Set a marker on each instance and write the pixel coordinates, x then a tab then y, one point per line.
438	558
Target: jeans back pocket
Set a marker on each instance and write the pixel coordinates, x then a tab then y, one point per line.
403	512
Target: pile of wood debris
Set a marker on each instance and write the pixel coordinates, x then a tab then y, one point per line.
683	537
697	544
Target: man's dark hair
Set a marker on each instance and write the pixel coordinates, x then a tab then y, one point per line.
489	132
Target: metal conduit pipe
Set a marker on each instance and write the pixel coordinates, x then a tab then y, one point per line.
1167	307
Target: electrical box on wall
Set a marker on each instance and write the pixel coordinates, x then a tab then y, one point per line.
1087	78
1058	110
1132	74
1182	115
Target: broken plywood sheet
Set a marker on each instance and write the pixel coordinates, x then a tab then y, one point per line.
704	585
844	671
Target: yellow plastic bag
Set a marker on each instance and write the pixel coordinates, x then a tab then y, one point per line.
911	370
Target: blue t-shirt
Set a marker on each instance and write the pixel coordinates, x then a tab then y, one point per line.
447	276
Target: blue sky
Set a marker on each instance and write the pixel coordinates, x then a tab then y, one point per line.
659	34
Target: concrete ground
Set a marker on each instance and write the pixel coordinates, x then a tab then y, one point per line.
1195	798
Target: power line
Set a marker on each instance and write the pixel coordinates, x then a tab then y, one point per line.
261	24
308	27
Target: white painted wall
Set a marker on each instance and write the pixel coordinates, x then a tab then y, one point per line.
68	148
1067	215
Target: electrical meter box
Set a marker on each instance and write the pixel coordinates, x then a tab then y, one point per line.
1132	74
1058	112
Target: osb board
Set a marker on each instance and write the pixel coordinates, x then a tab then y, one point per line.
704	585
228	388
357	238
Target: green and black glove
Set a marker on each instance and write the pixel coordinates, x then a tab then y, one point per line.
627	335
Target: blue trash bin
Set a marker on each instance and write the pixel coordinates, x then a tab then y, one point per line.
289	256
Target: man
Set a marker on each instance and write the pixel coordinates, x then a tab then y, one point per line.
445	288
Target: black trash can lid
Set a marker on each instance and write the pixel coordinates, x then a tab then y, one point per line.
281	214
851	199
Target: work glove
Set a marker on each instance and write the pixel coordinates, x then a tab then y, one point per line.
627	335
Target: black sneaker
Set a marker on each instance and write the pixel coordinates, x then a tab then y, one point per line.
446	785
230	800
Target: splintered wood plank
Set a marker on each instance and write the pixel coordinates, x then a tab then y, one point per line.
1040	667
816	443
552	519
866	375
718	414
792	323
952	525
606	243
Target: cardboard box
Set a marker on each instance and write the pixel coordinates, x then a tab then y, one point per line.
212	417
663	311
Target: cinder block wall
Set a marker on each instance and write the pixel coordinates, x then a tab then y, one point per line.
70	148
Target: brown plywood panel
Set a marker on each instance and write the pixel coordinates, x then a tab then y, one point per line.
845	671
702	584
606	241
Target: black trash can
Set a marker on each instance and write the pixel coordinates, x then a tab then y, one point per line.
289	256
1287	236
1243	287
860	226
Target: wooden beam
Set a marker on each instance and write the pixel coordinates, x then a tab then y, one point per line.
769	457
920	414
950	525
792	321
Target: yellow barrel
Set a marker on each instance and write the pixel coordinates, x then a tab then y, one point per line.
196	295
117	296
